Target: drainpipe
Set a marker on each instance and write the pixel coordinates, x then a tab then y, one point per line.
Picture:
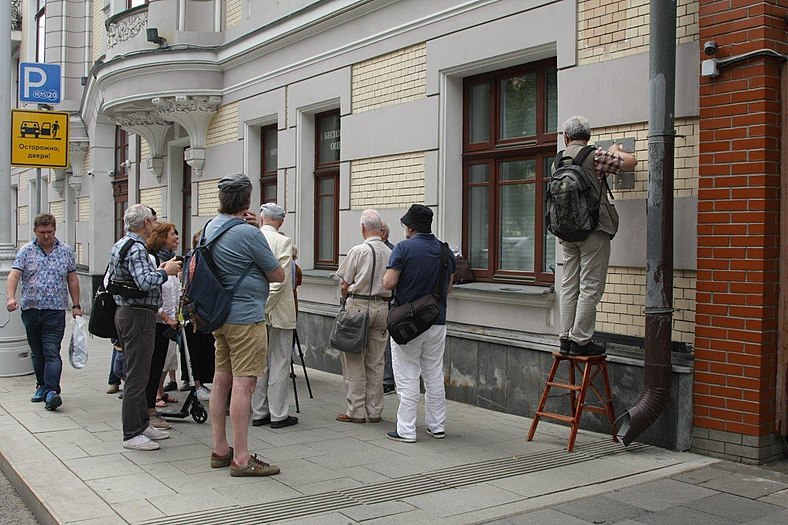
659	232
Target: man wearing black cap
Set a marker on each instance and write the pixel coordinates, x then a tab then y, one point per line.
412	272
241	349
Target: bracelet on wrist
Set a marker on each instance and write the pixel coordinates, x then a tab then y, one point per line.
76	306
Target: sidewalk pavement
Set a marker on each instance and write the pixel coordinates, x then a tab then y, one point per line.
70	467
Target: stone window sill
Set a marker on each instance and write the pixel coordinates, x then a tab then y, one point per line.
514	294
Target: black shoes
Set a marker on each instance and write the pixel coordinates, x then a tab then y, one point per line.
260	422
565	346
589	349
389	389
171	386
286	422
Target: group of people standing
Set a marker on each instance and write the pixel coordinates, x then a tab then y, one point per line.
247	358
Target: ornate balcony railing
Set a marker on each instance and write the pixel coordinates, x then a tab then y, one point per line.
16	15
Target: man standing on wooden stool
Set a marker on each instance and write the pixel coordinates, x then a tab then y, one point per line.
586	262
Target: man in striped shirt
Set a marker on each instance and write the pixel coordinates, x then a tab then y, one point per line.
139	298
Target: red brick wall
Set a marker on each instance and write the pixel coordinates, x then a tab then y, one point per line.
738	219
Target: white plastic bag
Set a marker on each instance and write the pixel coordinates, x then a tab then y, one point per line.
78	347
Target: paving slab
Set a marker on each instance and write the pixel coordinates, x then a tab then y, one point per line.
746	485
734	508
661	494
600	509
74	470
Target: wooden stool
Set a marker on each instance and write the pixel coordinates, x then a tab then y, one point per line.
589	366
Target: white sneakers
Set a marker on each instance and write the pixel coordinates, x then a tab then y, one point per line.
203	393
154	433
144	440
140	443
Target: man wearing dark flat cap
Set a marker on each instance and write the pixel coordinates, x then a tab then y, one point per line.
412	272
241	348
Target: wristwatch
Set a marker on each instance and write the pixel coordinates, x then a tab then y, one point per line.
76	306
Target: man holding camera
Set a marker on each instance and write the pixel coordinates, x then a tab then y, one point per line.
136	286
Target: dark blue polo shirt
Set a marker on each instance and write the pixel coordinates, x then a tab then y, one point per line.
418	260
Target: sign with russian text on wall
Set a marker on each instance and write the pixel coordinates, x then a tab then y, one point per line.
39	139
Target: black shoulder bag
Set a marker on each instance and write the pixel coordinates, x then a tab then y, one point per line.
102	311
349	333
410	320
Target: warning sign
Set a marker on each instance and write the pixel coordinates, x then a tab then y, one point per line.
39	139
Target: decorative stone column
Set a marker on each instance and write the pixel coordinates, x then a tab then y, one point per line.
77	151
153	129
194	114
59	180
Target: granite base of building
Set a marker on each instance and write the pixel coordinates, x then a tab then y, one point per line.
754	450
505	371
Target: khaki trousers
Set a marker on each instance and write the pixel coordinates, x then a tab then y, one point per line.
363	373
582	285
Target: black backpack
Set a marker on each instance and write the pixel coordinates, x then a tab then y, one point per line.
204	301
571	204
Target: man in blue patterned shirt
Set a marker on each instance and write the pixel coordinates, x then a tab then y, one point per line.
48	272
135	320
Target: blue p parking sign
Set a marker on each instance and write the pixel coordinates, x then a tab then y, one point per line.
39	83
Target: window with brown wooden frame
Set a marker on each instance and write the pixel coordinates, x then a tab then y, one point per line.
510	122
269	155
327	147
120	183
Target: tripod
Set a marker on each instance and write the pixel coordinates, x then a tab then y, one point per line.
297	344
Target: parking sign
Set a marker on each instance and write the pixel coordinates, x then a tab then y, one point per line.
39	83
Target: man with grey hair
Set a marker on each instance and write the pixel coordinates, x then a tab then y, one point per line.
138	298
241	343
586	262
361	287
270	400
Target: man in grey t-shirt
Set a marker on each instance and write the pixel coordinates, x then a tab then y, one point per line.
241	345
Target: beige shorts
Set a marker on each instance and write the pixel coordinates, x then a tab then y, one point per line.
242	349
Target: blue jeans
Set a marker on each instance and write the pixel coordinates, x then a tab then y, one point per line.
113	379
45	329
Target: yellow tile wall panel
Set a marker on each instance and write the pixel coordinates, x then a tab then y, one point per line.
57	209
83	209
394	78
617	28
232	13
99	31
153	197
80	254
622	309
207	197
144	149
393	181
224	126
23	215
86	163
685	156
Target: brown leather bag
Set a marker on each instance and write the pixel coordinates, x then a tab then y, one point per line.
463	273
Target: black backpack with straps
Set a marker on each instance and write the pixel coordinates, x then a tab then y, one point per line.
571	209
204	300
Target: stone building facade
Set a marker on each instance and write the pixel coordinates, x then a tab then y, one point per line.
337	105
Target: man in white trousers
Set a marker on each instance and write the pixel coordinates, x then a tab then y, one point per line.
412	272
271	395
